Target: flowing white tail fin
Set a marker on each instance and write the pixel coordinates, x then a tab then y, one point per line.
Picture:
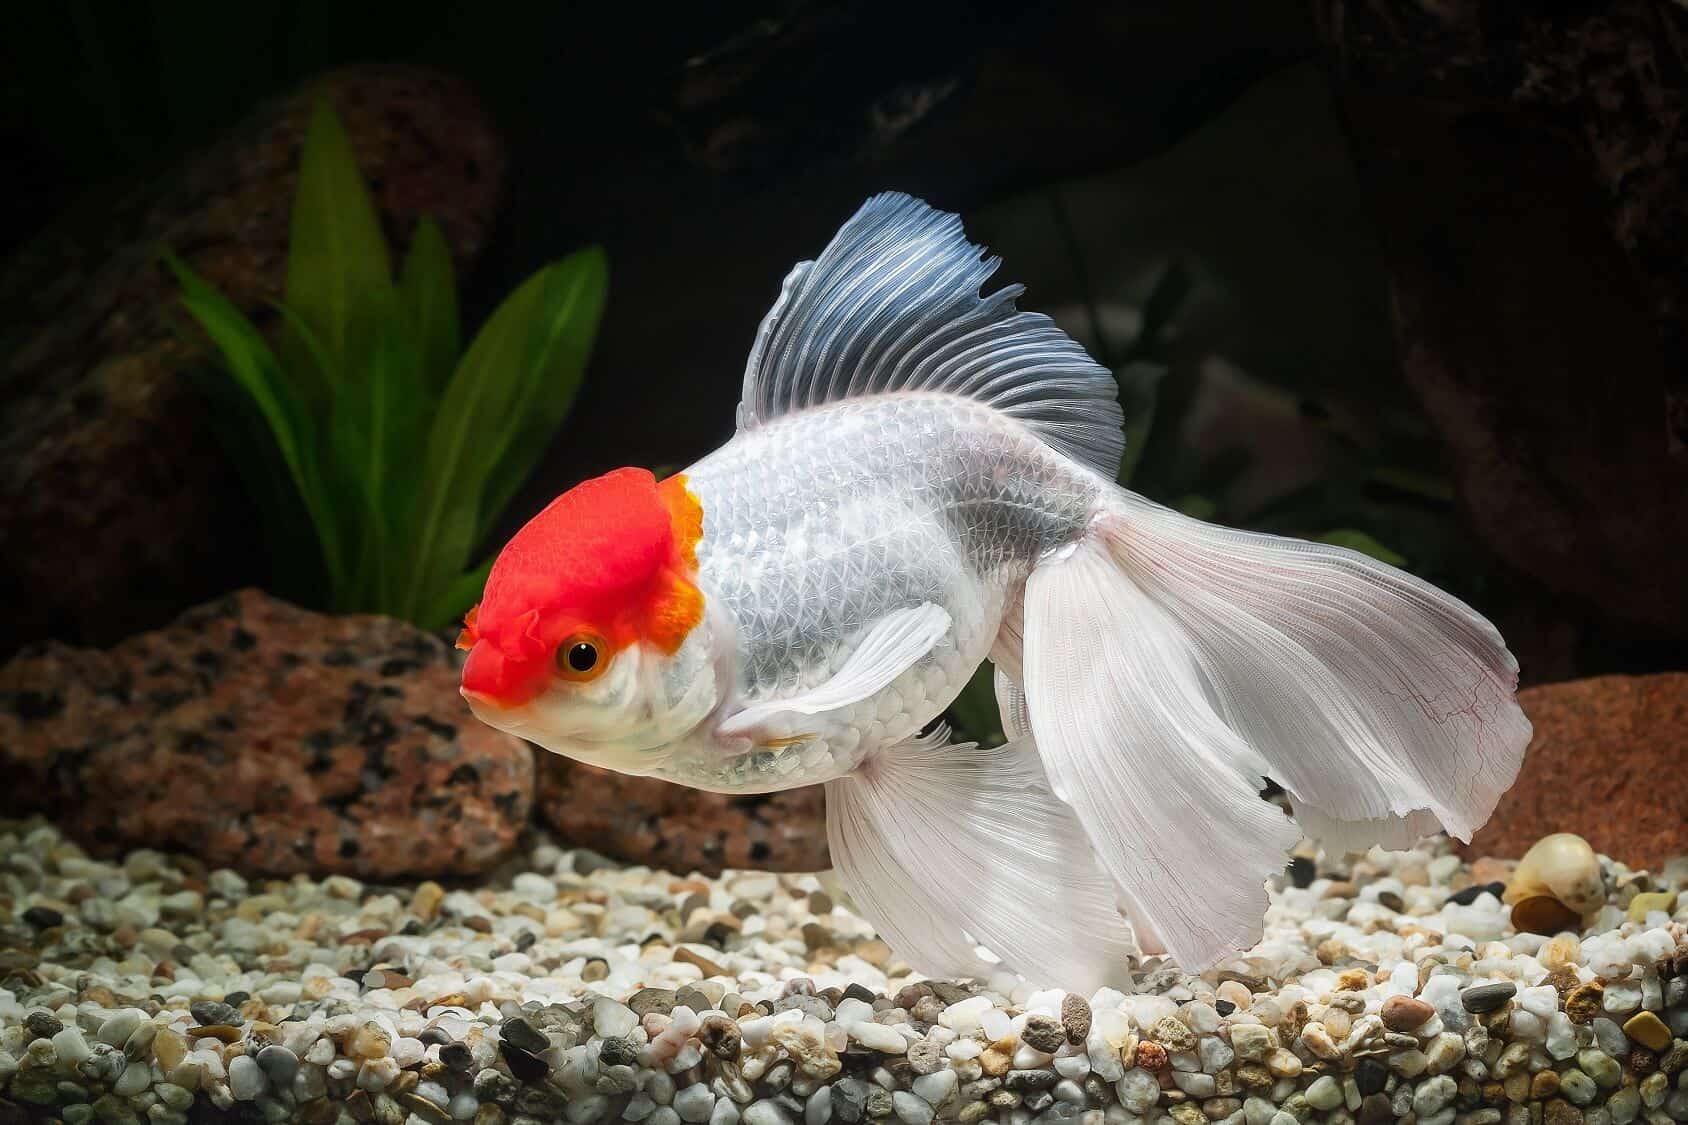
1170	665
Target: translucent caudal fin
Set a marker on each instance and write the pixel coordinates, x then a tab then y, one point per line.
1169	665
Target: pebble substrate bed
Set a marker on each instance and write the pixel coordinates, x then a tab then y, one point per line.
1388	988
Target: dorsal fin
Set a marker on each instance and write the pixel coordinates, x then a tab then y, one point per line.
892	304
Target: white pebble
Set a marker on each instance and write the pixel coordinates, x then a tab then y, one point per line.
694	1103
936	1088
766	1112
1324	1093
611	1019
246	1078
963	1016
911	1110
1541	1002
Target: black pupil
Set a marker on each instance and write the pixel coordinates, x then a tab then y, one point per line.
582	656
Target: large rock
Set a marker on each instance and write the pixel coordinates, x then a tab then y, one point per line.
266	738
1609	761
1529	173
117	507
644	820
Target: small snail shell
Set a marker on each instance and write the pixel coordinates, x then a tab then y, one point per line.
1560	866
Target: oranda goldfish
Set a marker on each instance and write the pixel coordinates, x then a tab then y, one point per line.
922	479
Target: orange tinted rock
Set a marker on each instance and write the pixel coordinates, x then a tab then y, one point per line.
1599	744
259	736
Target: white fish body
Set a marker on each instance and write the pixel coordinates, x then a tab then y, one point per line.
922	479
827	522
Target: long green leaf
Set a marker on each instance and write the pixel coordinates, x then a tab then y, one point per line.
455	600
337	260
253	365
572	305
528	349
428	290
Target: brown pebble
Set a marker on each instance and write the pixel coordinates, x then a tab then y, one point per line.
710	968
909	995
226	1033
874	952
425	900
1376	1110
1583	1003
321	1111
721	1036
1403	1013
1353	980
1561	1112
168	1049
1151	1056
1075	1018
423	1108
1545	915
1544	1085
996	1062
1564	979
1043	1034
1642	1061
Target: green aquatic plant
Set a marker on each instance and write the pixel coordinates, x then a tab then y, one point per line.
370	437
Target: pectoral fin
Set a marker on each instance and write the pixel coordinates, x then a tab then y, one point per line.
888	648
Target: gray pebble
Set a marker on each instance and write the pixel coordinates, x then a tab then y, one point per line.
1578	1087
522	1035
209	1012
1487	997
280	1064
42	1024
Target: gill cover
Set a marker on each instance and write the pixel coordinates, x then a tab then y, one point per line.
614	559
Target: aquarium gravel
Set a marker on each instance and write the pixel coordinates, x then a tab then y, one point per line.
1387	988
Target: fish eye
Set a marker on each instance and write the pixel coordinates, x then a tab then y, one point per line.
581	657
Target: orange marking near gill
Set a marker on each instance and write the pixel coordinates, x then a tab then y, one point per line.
678	605
685	512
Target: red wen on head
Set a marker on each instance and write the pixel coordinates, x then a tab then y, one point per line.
607	564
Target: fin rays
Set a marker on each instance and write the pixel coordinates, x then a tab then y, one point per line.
892	305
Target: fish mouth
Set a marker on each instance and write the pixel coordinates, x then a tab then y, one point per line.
639	750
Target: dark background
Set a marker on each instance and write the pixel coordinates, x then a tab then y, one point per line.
1414	271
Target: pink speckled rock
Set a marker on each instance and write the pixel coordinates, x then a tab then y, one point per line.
263	737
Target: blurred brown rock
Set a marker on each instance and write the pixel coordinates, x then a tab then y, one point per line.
117	508
1526	164
266	738
1609	761
643	820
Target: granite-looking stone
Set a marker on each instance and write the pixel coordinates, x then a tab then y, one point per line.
643	820
1625	731
117	508
263	737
